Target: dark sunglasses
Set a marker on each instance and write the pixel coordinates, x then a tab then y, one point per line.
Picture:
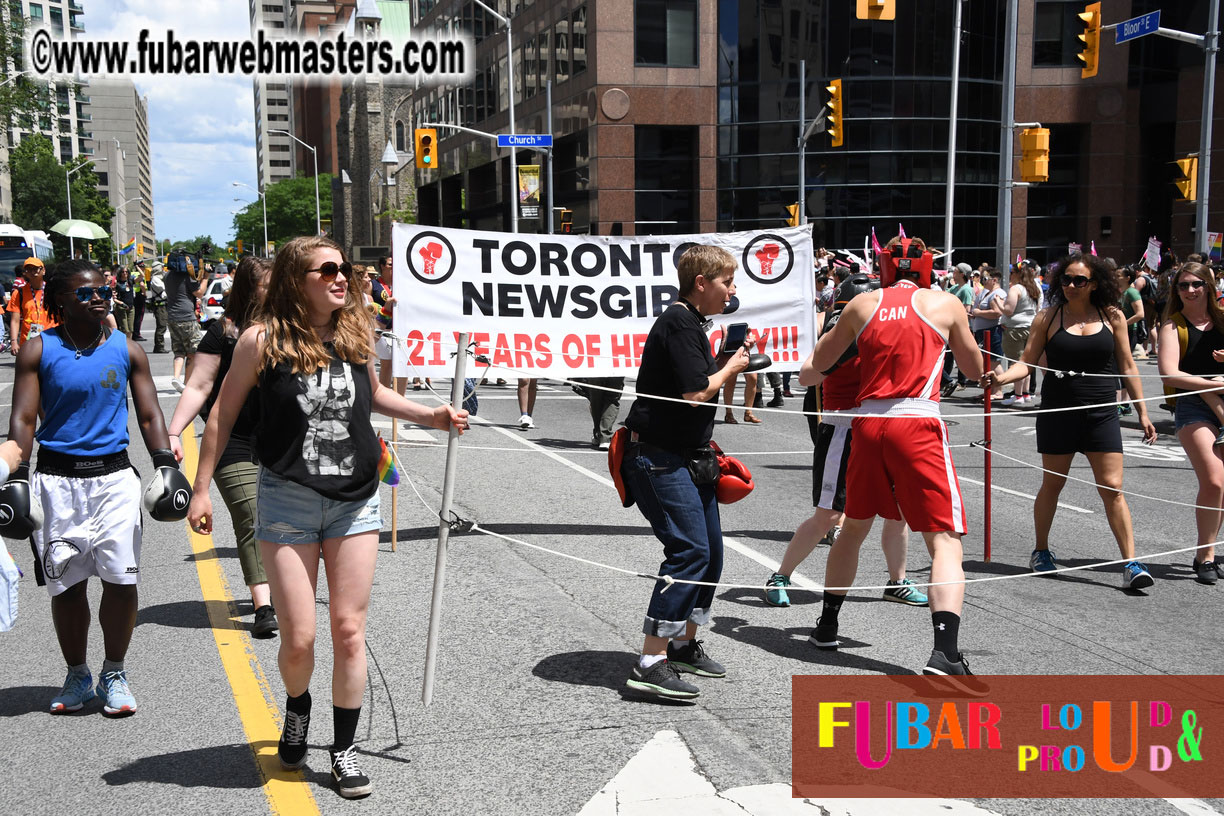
86	293
1186	286
32	269
329	270
1078	281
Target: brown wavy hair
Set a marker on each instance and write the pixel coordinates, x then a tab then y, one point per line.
242	299
289	337
1028	281
1176	304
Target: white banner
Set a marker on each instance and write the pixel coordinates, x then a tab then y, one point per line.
1152	255
566	306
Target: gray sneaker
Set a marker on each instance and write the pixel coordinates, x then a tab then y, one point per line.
694	660
661	680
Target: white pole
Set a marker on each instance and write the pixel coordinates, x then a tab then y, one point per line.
950	195
1211	42
318	214
514	202
1003	239
68	187
448	493
263	199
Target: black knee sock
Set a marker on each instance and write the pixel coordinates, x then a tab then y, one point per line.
831	606
947	627
345	721
299	704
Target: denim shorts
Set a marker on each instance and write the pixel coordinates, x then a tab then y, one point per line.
1191	409
289	513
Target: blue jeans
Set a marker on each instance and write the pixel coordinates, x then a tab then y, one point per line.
683	516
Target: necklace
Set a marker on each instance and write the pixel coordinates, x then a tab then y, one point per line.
79	349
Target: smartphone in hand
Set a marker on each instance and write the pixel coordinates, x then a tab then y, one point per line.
734	338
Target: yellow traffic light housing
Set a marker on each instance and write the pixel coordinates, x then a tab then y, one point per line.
239	243
835	118
876	10
1035	154
425	143
567	221
1188	184
1091	38
793	220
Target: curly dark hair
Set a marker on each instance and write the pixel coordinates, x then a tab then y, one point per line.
57	282
1108	288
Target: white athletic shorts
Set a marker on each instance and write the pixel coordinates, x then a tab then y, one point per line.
91	526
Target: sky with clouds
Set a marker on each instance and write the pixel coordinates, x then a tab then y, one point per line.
201	128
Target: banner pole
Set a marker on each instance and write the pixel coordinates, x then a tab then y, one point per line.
986	450
395	489
448	492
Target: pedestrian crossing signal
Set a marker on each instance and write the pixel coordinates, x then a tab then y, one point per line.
426	144
1091	38
567	221
1035	155
1188	183
793	209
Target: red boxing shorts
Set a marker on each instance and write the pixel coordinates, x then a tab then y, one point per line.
902	468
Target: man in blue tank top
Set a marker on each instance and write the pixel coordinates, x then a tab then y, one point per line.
78	375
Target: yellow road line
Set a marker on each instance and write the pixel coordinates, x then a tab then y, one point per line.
287	791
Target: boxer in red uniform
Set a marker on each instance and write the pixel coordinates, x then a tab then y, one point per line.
900	466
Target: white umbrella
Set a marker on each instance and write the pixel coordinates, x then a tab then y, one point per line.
79	228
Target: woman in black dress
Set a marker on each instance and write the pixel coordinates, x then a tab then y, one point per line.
1083	330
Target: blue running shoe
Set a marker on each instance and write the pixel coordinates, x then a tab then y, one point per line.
113	686
1042	561
775	590
77	691
903	591
1136	576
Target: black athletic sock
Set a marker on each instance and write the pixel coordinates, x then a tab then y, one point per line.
299	704
947	627
345	721
831	607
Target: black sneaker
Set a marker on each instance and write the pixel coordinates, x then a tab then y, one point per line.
694	660
661	680
350	779
292	746
265	624
956	674
1206	572
829	537
824	636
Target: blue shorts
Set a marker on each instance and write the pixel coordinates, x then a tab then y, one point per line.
1190	409
289	513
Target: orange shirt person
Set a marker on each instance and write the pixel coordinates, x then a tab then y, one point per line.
27	314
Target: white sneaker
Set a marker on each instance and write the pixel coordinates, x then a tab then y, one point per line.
525	422
1013	400
177	384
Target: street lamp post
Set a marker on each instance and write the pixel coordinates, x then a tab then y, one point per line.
120	207
315	154
263	200
14	78
68	187
514	218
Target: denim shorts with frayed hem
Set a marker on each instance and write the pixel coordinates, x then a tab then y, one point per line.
1190	409
289	513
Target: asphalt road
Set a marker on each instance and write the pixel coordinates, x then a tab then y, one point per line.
529	713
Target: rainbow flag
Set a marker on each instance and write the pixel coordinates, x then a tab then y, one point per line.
128	247
1215	245
387	471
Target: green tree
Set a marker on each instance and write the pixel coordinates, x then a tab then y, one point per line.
40	199
291	212
26	97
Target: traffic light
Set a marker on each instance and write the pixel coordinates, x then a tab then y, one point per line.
876	10
426	140
1188	183
834	105
567	221
1091	38
239	243
1035	154
793	209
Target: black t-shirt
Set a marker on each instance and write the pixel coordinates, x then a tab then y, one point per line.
676	360
315	429
124	293
1199	345
238	449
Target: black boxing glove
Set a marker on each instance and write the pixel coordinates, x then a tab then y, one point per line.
20	516
168	493
848	354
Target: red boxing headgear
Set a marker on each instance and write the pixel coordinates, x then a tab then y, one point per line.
905	258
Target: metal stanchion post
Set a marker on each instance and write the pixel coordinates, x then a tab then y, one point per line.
448	493
986	400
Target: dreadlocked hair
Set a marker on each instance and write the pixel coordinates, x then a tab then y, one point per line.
57	282
289	337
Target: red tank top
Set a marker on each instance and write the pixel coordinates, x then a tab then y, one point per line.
839	391
901	351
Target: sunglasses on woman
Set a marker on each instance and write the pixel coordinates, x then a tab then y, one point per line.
329	270
1186	286
1078	281
86	293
